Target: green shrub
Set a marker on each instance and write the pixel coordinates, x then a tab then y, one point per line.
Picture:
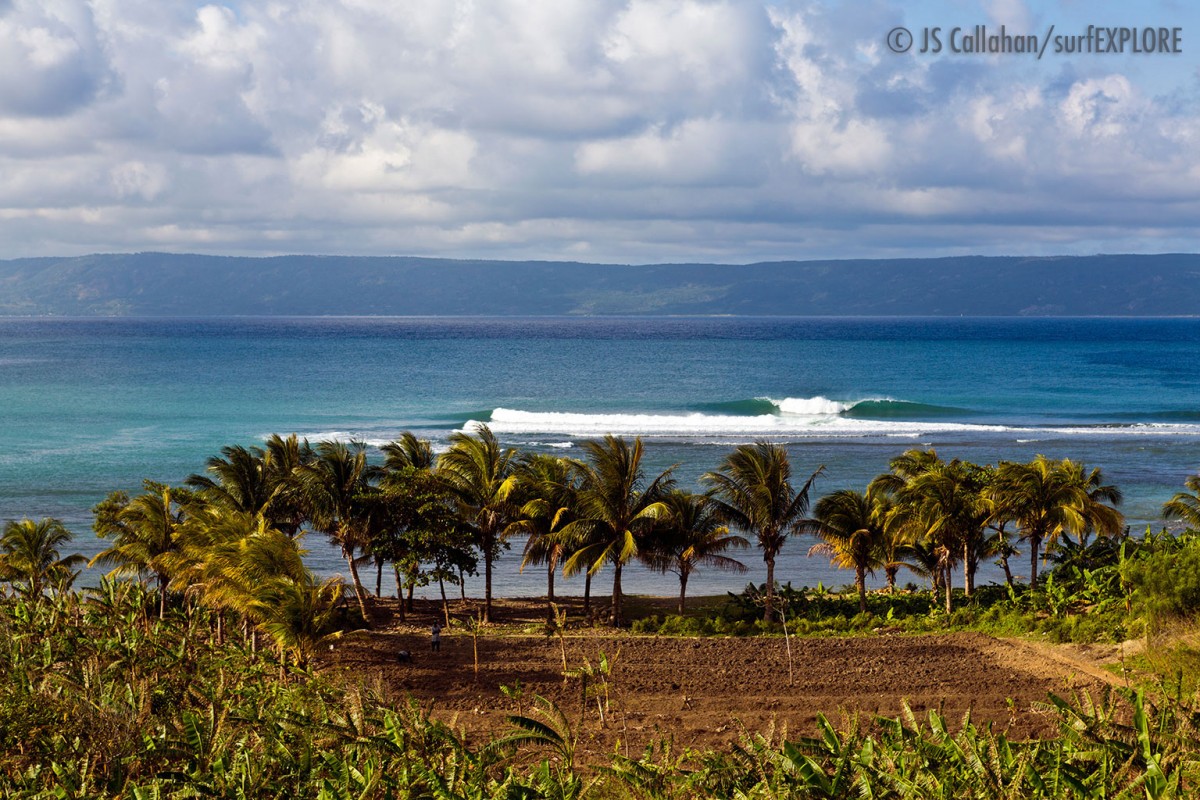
1166	583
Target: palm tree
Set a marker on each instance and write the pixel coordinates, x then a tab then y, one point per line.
927	561
297	612
31	555
1047	498
753	492
549	486
905	467
144	530
946	503
1185	505
408	485
408	452
335	487
481	475
282	460
225	555
237	480
1102	518
896	546
617	510
853	526
692	535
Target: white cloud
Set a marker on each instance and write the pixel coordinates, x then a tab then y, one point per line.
51	59
606	129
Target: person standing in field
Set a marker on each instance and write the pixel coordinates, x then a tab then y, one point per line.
436	642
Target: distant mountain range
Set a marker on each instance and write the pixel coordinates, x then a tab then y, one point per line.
160	284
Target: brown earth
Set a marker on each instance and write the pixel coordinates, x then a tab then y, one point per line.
708	691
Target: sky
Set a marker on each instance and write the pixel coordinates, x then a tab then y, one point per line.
632	131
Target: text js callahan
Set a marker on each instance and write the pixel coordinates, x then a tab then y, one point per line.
1095	40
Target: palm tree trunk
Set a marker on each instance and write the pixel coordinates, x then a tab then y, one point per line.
587	594
947	573
399	591
162	596
615	619
550	582
1008	576
683	576
860	581
891	570
409	603
462	584
769	603
1035	544
445	602
359	591
487	585
379	577
968	570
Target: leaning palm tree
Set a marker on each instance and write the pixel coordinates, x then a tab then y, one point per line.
30	555
692	535
481	475
853	527
548	486
144	530
753	492
617	509
335	487
1185	505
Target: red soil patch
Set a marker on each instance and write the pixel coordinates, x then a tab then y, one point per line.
707	691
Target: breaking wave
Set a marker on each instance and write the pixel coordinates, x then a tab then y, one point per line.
797	418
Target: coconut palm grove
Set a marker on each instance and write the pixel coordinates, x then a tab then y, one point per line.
197	666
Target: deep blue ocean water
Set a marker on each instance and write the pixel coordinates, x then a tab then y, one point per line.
89	406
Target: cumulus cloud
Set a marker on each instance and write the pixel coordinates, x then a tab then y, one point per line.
51	58
633	130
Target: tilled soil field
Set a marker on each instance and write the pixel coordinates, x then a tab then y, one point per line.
708	691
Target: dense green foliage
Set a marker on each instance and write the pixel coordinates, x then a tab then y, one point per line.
100	698
139	692
1114	589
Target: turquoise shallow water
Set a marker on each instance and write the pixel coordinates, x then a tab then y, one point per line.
89	406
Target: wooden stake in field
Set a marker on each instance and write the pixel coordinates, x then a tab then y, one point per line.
474	623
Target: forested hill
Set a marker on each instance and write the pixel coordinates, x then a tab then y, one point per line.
157	284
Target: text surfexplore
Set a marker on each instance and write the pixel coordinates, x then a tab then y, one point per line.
984	40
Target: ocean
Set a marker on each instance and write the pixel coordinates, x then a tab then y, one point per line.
94	405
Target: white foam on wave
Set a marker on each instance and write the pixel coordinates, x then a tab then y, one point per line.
830	425
811	406
514	421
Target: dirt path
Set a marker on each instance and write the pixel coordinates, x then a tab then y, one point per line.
706	691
